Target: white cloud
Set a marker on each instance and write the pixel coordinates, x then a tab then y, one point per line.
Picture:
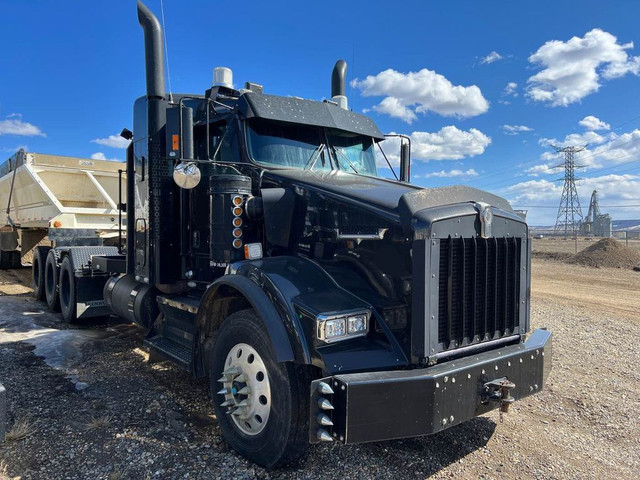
543	169
449	143
453	173
576	140
492	57
515	129
607	151
572	70
102	156
409	94
14	125
510	89
113	141
394	108
594	123
618	149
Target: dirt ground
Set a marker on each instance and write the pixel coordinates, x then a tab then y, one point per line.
107	414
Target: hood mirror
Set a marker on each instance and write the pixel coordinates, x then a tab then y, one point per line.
186	175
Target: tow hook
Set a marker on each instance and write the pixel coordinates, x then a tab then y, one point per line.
499	391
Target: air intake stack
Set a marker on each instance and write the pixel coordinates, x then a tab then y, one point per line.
337	84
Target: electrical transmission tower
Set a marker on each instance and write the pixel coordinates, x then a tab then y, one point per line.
569	212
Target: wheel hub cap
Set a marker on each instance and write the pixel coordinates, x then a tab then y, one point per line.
246	389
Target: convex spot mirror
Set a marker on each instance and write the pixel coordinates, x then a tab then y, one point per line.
186	175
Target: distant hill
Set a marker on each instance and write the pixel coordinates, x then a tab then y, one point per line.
626	224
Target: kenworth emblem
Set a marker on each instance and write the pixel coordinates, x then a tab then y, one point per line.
486	218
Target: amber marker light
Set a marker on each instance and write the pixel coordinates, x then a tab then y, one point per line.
237	200
237	232
237	222
237	211
57	224
237	243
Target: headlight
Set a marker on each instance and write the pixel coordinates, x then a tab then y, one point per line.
334	327
357	323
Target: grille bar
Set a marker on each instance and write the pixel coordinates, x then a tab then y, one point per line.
479	288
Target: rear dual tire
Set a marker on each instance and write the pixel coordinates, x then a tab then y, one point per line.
67	290
51	273
37	271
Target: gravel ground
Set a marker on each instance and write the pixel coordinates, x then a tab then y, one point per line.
105	413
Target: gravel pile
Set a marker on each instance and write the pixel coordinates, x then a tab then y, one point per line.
607	252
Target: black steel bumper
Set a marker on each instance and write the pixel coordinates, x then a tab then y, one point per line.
378	406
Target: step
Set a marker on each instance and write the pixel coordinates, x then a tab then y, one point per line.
161	348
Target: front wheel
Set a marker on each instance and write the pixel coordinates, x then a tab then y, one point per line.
262	406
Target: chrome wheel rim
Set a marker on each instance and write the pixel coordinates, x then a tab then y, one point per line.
246	389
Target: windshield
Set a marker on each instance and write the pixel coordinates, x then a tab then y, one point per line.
300	146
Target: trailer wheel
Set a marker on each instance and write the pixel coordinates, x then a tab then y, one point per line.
67	288
37	271
51	281
262	406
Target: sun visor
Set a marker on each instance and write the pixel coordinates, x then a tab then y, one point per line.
308	112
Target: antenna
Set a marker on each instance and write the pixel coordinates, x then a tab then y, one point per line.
166	49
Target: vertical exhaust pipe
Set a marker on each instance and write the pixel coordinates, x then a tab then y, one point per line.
154	66
337	84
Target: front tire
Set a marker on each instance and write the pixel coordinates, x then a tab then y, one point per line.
268	422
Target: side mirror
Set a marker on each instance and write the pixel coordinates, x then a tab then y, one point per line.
405	156
186	175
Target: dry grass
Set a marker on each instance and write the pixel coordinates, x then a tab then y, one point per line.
3	471
21	429
102	421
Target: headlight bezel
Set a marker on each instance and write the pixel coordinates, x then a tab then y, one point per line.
356	316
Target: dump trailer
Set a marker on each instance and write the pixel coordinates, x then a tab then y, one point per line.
53	202
323	302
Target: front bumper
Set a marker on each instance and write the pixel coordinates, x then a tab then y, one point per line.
376	406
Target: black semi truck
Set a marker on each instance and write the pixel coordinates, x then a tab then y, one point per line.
323	302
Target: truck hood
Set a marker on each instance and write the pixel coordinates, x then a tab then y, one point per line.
393	198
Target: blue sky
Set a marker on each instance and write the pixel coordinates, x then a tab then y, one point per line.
483	88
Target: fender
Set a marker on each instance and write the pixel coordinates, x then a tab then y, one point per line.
235	292
276	288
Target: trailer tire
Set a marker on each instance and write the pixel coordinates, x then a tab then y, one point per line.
67	289
37	271
242	343
51	281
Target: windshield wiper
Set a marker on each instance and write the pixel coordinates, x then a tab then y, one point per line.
314	157
335	150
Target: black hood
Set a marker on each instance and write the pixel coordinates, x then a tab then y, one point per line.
390	196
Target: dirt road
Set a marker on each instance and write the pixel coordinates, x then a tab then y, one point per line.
108	414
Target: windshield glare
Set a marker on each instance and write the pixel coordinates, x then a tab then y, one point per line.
299	146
